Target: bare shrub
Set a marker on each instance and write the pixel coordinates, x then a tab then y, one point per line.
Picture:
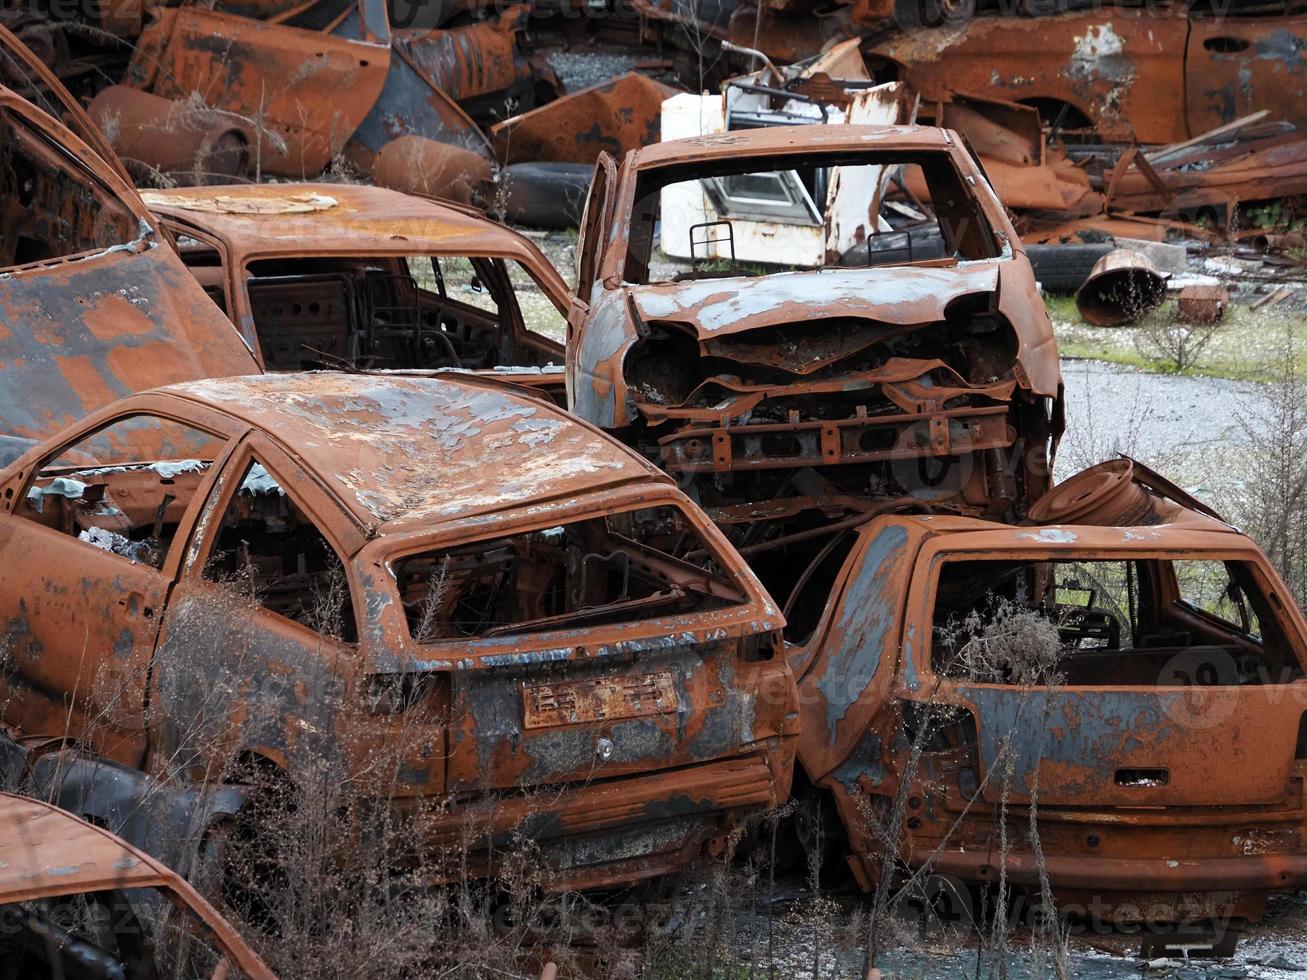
1268	501
1177	345
1012	644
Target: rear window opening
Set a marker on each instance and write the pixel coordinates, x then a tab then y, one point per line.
1101	622
815	205
626	567
52	207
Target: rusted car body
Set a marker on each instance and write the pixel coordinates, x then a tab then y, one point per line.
136	916
794	401
1155	75
1163	748
94	304
315	572
334	274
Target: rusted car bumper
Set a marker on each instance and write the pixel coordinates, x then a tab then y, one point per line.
618	831
1156	865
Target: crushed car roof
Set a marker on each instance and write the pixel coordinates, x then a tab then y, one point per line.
401	451
792	139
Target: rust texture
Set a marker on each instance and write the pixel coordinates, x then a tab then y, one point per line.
161	138
46	853
95	304
1123	286
626	723
612	117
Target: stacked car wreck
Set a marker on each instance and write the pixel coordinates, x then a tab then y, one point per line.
877	442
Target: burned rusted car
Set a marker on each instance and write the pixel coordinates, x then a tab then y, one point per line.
93	303
1152	75
307	573
1132	668
79	903
337	275
916	367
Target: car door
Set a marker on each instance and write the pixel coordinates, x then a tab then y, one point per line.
1235	66
260	635
90	544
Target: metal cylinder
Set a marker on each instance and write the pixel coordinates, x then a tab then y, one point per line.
417	165
156	136
1123	286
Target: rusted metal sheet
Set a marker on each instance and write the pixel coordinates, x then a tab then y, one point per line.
417	165
1202	304
466	62
1122	74
623	725
303	93
46	853
1122	287
95	305
1131	815
612	117
161	138
348	282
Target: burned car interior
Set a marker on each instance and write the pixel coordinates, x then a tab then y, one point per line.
124	488
1120	622
269	551
376	312
130	933
52	206
941	226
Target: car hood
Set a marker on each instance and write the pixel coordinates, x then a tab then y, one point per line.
904	295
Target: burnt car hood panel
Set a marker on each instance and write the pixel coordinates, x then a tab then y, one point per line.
894	294
77	335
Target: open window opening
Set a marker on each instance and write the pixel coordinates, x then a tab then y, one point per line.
619	568
133	933
419	312
732	217
1125	622
124	488
270	551
205	260
52	206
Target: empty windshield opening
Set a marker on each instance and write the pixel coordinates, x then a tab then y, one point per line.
734	217
626	567
1124	622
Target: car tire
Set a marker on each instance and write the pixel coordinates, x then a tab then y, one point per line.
543	195
1064	268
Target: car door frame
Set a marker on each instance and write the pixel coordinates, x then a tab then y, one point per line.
146	605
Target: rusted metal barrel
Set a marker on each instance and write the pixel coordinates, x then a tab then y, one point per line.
1105	495
154	136
1122	287
417	165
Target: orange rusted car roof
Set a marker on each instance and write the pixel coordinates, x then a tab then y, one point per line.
46	852
792	139
291	219
404	450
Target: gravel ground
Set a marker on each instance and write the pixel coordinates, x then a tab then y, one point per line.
581	67
1179	425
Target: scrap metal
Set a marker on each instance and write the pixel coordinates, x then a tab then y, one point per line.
1123	286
